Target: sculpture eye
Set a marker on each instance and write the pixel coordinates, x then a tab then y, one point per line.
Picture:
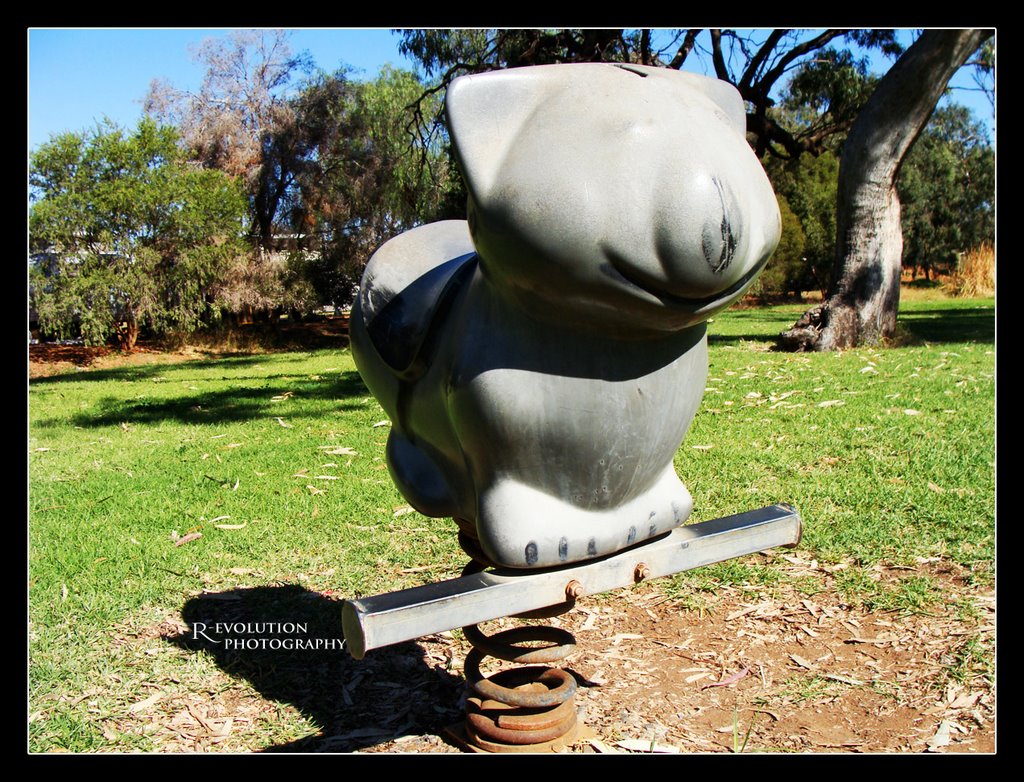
718	239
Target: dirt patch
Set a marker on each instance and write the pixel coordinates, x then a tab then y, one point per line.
50	358
777	672
756	670
46	359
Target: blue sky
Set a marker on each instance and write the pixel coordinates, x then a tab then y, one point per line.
79	76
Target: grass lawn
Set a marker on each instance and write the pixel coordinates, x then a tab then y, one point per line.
150	485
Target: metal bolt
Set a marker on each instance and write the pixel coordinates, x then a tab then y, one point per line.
574	589
641	572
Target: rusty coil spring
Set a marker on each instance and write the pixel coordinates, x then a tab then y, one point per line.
526	709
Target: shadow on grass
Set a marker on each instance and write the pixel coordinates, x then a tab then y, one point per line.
237	403
759	325
918	325
942	324
391	692
736	339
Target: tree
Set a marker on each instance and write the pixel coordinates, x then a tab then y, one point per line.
864	293
945	189
808	184
786	270
241	121
335	165
131	234
368	178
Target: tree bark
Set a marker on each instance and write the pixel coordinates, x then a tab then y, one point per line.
128	333
863	298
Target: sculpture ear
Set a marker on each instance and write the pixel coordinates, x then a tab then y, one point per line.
485	113
722	93
728	99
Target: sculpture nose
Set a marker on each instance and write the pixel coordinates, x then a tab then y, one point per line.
707	240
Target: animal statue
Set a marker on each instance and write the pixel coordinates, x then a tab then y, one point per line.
541	361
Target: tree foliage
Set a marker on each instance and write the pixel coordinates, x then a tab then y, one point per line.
128	233
786	270
808	184
823	97
368	176
946	189
333	167
241	120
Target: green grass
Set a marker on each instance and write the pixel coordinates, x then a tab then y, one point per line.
887	453
277	460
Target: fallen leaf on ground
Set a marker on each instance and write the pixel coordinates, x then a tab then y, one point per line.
831	403
741	612
910	411
882	639
338	450
801	661
283	423
729	680
619	637
144	704
229	526
941	737
224	729
640	745
188	538
965	701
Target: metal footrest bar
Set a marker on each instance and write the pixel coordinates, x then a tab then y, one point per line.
394	617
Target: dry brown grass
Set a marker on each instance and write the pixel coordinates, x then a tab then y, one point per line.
975	275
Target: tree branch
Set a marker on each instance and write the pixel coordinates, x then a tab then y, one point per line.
766	82
716	56
645	46
758	59
684	49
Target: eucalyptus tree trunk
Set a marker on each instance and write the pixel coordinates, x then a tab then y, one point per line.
128	332
864	295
